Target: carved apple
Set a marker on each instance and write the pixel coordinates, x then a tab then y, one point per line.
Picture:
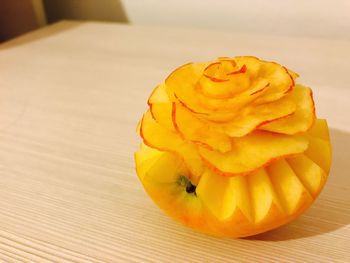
233	147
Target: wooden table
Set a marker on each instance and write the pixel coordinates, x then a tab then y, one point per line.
70	98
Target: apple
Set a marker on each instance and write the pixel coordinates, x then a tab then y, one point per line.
233	147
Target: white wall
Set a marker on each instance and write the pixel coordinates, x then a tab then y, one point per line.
320	18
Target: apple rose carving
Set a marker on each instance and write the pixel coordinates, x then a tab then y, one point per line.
233	147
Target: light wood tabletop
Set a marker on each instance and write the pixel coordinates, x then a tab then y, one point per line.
70	98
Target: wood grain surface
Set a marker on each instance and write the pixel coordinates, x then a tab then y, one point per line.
70	97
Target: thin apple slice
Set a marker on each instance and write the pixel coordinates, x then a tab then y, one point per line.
138	127
281	82
161	106
159	95
158	137
263	196
310	174
255	90
303	117
182	82
197	131
252	117
145	158
216	116
223	80
162	113
287	185
293	74
146	153
252	63
253	151
167	169
320	129
320	152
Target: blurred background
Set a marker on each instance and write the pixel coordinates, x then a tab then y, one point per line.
315	18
